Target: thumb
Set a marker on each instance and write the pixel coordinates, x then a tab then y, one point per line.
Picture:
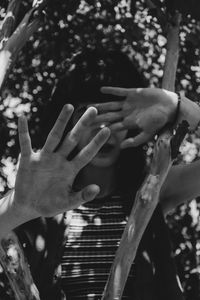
90	192
136	141
86	194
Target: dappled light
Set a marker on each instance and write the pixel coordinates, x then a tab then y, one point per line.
133	28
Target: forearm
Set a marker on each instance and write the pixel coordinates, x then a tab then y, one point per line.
10	216
181	185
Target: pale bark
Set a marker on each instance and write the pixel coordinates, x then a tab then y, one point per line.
8	24
17	269
172	54
145	202
13	39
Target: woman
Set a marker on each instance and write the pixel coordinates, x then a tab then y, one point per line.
95	229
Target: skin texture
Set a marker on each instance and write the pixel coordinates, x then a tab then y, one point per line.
109	153
44	179
145	108
149	109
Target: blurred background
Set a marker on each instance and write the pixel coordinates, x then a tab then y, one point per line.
136	28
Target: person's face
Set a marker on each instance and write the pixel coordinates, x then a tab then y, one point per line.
110	151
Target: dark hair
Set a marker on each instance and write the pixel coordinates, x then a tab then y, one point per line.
89	70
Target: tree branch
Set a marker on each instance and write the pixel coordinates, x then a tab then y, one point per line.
8	24
11	46
172	54
17	269
145	202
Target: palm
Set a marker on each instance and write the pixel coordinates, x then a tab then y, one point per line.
44	179
143	110
46	175
146	109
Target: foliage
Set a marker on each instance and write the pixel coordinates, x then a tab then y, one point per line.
135	27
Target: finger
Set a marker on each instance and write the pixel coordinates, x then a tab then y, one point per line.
127	143
57	131
108	117
88	152
114	91
90	192
86	194
24	137
108	106
136	141
72	139
117	126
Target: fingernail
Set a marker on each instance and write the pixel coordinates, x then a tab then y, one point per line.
69	106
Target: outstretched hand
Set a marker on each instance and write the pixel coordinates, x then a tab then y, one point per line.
147	109
44	180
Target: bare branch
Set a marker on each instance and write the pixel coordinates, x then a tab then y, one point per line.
30	23
8	24
17	269
26	28
39	4
172	55
145	202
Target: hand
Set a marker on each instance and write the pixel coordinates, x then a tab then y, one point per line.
147	109
44	180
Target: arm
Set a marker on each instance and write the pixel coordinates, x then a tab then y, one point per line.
181	185
148	109
10	217
183	181
45	178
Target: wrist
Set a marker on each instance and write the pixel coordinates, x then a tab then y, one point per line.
22	211
190	112
12	214
173	106
10	218
175	116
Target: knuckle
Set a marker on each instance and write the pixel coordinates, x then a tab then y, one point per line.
87	155
56	135
61	119
73	137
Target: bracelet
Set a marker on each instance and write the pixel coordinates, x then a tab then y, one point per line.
175	121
